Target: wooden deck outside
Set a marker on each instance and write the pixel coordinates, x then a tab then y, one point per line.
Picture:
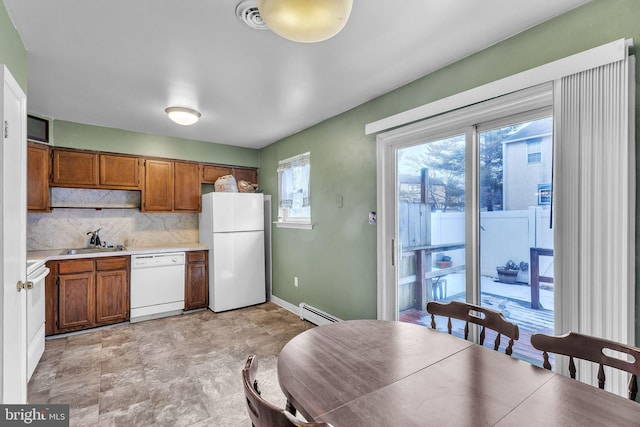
520	312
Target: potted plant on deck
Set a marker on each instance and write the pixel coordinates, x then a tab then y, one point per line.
443	261
508	273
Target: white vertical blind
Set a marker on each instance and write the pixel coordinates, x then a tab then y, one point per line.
594	186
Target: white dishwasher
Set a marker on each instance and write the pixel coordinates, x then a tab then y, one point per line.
157	285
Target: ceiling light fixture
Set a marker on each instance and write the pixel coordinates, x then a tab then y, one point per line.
305	21
182	115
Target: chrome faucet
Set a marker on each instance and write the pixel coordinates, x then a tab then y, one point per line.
95	239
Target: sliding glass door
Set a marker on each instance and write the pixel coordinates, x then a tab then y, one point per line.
473	222
516	235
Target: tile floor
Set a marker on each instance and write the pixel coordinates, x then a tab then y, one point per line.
178	371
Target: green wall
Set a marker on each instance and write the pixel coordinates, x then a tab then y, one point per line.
12	51
77	135
336	261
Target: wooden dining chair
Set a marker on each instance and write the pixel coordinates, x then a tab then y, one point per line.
471	313
261	412
592	349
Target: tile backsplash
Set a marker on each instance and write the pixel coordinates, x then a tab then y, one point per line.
64	228
118	217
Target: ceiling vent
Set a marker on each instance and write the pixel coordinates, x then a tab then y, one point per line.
248	13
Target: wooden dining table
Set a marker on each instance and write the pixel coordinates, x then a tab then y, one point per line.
383	373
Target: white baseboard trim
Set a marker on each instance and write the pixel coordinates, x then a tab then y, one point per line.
285	304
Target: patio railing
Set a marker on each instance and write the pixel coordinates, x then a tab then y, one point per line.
424	273
536	278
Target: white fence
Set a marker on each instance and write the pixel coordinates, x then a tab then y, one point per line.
504	236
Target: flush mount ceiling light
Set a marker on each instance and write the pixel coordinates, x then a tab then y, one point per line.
305	21
182	115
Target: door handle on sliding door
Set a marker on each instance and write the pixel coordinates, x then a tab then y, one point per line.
393	252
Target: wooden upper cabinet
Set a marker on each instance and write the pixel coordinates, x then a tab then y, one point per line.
119	172
95	170
249	175
75	169
157	195
166	185
212	172
187	191
38	178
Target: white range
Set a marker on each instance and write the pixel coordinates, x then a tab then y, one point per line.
36	274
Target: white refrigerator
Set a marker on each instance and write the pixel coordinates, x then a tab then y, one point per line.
232	227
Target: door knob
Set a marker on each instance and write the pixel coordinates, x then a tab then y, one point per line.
24	285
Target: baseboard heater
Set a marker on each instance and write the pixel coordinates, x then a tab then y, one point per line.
316	316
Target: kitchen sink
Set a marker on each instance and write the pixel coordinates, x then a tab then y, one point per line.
88	251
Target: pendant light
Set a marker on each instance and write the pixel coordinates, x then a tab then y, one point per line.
305	21
182	115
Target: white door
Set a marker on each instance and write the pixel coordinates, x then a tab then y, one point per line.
13	309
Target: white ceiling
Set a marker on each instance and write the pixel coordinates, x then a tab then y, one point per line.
120	63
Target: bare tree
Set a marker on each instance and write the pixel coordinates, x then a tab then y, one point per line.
445	160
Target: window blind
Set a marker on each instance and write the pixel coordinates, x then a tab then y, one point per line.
594	198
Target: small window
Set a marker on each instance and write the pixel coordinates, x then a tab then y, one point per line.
544	194
294	201
534	150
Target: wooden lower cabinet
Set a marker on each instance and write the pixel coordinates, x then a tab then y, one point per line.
76	301
196	290
85	293
112	290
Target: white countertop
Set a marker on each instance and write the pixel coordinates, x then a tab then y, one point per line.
58	254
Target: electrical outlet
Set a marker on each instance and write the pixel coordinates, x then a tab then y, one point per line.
295	282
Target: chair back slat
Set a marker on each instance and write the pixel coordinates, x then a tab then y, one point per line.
633	387
601	376
545	362
591	349
471	313
572	367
